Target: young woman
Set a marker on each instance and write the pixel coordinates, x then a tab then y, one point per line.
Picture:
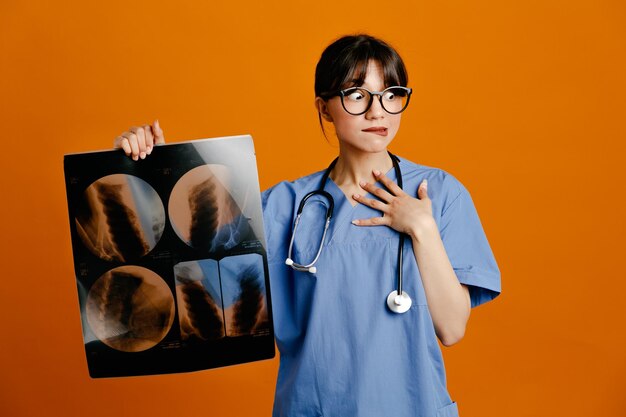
358	308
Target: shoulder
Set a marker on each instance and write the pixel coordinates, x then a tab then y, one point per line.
443	187
280	203
285	193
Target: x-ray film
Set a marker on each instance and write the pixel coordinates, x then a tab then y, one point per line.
170	260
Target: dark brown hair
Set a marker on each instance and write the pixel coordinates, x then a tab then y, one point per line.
343	64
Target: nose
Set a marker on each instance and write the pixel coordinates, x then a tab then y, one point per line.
376	110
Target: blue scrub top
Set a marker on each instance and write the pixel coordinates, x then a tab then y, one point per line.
342	352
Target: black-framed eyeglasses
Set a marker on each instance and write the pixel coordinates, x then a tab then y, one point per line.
358	100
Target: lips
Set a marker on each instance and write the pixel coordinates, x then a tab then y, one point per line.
377	130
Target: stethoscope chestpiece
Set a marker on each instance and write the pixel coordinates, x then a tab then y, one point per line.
399	303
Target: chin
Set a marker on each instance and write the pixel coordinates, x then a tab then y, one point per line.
375	146
367	149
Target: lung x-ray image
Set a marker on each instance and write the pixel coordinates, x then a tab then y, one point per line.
169	256
221	298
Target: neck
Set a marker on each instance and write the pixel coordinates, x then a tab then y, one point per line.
353	167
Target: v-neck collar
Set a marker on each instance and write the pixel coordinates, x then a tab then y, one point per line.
344	212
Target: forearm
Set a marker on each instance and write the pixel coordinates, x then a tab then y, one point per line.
448	300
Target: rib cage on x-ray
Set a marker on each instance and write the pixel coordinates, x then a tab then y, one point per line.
204	212
130	308
120	218
116	306
122	223
221	298
199	315
248	306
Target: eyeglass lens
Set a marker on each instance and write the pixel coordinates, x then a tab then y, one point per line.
358	100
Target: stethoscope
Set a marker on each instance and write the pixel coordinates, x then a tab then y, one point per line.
398	301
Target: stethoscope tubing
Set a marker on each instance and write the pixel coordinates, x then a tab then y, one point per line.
397	301
309	267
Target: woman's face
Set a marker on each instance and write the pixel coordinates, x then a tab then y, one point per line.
368	132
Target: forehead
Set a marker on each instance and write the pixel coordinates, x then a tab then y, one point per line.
370	75
374	76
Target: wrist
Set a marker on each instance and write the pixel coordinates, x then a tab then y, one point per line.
423	229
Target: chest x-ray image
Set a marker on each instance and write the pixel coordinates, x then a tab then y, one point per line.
221	298
130	308
120	218
170	259
203	212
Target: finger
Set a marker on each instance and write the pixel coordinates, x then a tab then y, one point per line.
373	221
159	138
134	146
422	190
375	204
149	138
122	142
377	191
389	184
141	140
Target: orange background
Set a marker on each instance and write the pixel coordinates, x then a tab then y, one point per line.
524	101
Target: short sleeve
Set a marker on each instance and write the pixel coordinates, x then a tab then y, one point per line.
468	249
277	203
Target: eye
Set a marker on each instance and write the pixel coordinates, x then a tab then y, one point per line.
389	95
394	93
355	94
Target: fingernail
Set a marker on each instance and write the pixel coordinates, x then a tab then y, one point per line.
142	155
376	172
149	150
356	196
156	124
135	157
355	222
362	183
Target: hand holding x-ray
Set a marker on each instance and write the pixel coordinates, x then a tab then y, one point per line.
138	141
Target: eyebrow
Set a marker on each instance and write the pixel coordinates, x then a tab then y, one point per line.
355	82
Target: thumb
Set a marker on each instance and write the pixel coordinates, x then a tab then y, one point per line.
422	191
159	138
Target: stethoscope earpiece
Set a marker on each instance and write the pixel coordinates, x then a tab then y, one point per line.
297	267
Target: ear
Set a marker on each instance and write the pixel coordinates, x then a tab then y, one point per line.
322	108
